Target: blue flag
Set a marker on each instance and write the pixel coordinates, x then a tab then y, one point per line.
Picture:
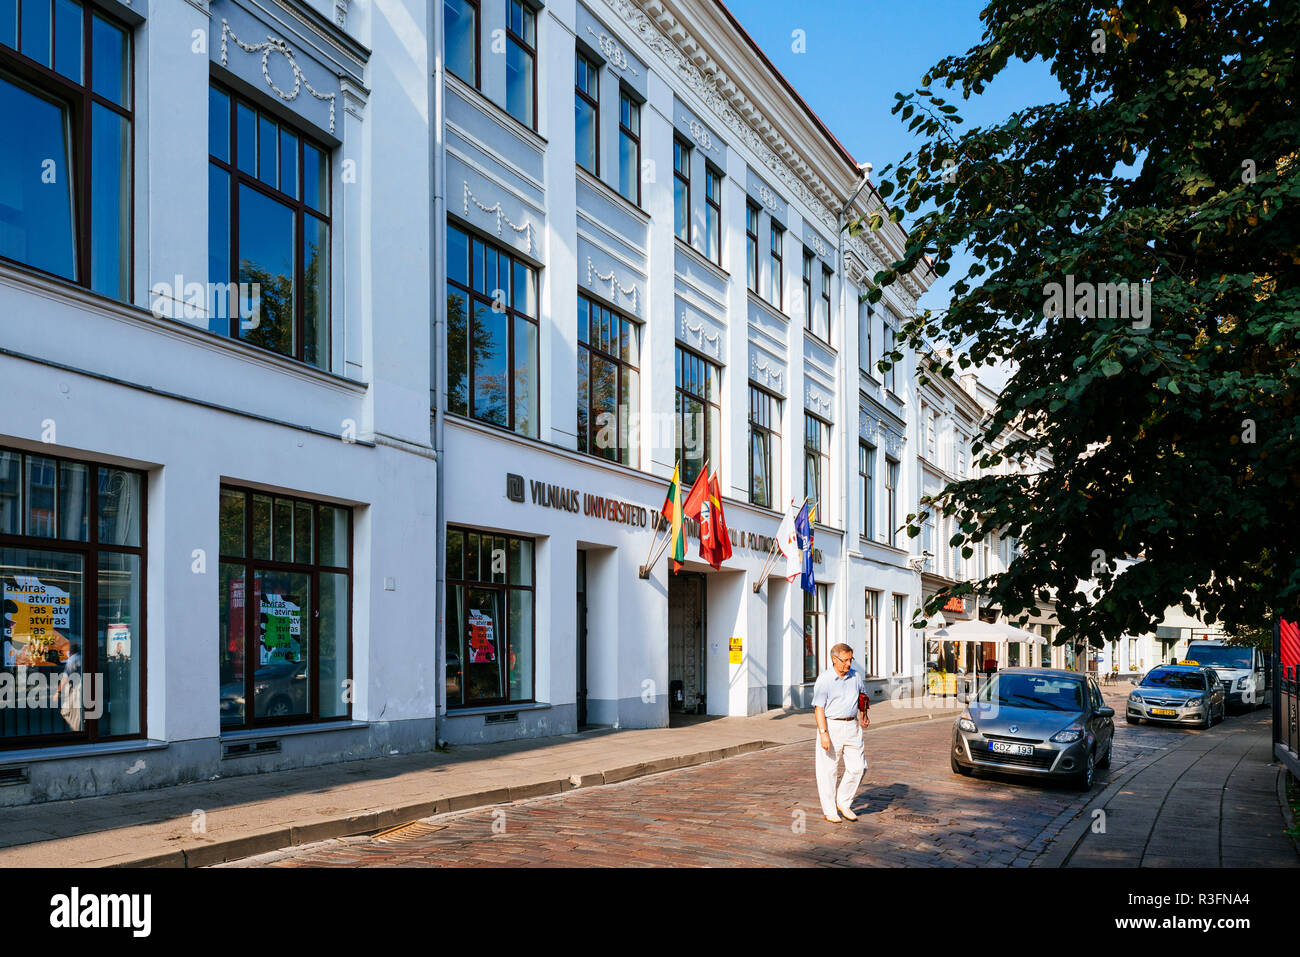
804	539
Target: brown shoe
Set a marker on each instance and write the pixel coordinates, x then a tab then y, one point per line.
848	815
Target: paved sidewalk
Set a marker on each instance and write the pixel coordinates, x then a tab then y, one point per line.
1213	800
253	814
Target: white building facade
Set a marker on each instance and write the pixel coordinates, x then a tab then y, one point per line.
668	211
220	520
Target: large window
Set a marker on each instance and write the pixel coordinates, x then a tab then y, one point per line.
822	321
268	231
521	63
807	290
764	446
629	147
460	26
865	316
72	567
609	382
65	159
891	376
871	629
899	664
816	455
814	631
777	269
699	413
681	190
751	247
489	625
891	502
713	213
586	108
492	358
285	598
866	490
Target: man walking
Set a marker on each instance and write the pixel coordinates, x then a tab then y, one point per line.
839	697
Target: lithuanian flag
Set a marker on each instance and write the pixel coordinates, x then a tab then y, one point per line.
673	513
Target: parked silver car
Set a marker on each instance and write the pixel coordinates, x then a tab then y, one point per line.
1178	694
1036	721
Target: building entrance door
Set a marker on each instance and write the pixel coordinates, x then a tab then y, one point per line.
686	643
582	639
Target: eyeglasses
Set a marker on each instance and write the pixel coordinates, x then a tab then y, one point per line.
843	660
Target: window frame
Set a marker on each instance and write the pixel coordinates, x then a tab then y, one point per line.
751	248
864	337
764	407
893	472
713	205
313	569
512	312
871	631
504	588
683	355
827	274
511	37
77	101
682	175
90	550
867	489
478	45
593	72
807	290
622	366
899	612
301	210
820	449
776	265
820	600
626	133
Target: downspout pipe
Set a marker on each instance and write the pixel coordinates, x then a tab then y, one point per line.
846	469
438	347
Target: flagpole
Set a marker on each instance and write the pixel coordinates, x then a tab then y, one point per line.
650	562
771	558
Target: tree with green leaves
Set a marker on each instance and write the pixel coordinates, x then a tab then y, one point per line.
1135	259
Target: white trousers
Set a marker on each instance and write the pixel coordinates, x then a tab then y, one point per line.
846	739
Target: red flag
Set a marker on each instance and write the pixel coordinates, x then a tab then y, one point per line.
696	501
721	538
1290	645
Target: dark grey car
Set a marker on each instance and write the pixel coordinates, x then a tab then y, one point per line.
1036	721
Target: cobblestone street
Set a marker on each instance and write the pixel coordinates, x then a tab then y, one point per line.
757	810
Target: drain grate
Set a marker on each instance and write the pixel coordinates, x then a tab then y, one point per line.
407	832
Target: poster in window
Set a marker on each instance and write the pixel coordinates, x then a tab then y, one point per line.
281	630
34	611
119	640
482	639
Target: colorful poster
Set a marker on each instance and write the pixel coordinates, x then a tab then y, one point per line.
735	650
482	639
119	640
281	629
31	626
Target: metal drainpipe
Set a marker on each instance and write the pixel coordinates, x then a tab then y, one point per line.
842	271
438	311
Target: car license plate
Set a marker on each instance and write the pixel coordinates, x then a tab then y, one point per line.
1165	711
1002	747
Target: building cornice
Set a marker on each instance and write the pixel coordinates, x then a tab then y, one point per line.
672	30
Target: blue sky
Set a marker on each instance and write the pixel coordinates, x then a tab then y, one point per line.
861	52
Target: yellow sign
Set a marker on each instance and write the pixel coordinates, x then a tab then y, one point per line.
735	650
1188	661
